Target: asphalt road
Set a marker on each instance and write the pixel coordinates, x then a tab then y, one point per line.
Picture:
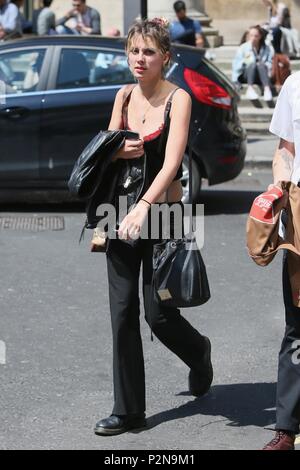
54	321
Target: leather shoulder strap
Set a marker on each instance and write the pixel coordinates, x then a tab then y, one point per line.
169	104
127	92
164	134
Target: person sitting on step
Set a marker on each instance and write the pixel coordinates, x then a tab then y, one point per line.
253	64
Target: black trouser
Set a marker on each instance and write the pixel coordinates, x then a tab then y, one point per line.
288	386
276	41
123	265
256	73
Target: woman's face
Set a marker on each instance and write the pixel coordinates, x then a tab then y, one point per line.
254	36
145	59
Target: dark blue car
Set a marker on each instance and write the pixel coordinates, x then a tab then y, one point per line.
57	92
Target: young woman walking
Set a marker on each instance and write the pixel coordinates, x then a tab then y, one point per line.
151	107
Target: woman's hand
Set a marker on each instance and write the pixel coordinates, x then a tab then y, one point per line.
71	13
131	149
130	226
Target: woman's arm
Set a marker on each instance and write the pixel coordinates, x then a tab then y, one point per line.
269	57
131	148
283	161
281	8
116	121
237	64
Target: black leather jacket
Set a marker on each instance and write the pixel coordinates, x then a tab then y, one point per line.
99	180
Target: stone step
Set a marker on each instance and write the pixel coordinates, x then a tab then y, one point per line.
251	114
256	128
204	20
213	40
256	115
226	67
243	90
257	104
224	55
210	31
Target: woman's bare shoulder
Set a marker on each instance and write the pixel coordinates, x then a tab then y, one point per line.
123	92
181	103
181	97
180	93
120	92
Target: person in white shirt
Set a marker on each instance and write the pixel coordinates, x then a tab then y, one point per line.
10	21
84	20
286	167
279	16
278	13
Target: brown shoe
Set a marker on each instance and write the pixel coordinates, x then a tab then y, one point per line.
283	440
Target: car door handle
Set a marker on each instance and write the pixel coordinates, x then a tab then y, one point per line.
15	112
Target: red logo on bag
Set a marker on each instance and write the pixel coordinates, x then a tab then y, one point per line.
262	207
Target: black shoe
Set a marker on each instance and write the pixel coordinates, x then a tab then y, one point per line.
114	424
200	380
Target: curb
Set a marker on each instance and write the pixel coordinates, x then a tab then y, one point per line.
252	164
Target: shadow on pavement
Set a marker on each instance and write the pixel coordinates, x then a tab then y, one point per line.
249	404
227	202
253	140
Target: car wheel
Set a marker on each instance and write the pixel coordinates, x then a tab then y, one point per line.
185	180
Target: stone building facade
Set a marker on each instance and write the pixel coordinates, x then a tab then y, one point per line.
229	16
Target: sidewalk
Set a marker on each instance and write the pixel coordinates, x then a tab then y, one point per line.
260	151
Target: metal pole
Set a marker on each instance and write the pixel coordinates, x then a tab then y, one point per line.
29	6
144	9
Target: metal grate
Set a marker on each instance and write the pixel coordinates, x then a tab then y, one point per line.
32	223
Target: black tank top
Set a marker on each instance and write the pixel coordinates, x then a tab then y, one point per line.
154	143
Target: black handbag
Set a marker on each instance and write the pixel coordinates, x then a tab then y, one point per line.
179	274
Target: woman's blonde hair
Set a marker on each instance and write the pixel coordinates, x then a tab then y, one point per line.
156	29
